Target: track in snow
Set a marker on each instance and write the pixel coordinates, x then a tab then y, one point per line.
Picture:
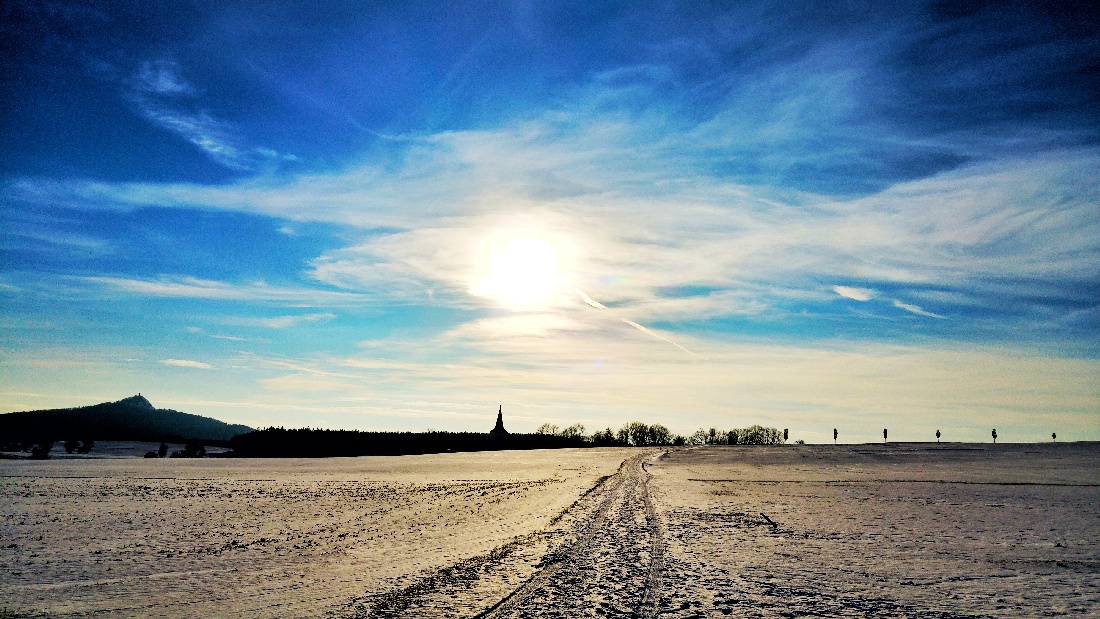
603	559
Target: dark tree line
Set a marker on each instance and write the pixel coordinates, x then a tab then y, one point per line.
309	443
40	450
315	443
754	435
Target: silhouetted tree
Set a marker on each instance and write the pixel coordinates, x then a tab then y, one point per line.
784	435
937	436
162	450
604	438
755	435
1054	436
640	434
633	433
574	431
834	436
71	445
191	450
884	435
41	451
85	447
994	435
659	435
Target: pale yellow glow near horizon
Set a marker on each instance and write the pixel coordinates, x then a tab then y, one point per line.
522	272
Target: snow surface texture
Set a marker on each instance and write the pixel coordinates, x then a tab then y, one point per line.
900	530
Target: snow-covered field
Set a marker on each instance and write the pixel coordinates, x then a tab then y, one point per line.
902	530
264	538
868	530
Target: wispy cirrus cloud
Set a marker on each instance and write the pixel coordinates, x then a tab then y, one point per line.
915	309
164	97
631	229
283	322
858	294
195	288
187	363
866	294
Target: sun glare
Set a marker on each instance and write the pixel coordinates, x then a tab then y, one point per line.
523	272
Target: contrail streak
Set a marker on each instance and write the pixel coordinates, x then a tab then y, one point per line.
596	304
589	300
656	335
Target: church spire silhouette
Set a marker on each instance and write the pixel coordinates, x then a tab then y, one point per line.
499	428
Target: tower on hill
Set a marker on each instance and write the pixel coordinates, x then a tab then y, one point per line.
498	430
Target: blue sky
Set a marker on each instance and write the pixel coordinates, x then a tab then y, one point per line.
385	216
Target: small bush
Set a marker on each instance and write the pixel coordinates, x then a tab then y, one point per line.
41	451
191	450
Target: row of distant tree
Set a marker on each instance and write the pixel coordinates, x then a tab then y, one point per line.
40	450
885	434
636	433
306	442
316	443
192	449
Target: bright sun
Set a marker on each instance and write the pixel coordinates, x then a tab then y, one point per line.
522	272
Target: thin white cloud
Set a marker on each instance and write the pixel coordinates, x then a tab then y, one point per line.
187	363
858	294
216	336
191	287
866	294
164	97
915	309
162	77
283	322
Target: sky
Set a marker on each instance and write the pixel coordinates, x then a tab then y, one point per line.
400	216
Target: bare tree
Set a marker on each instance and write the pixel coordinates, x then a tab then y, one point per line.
574	431
547	428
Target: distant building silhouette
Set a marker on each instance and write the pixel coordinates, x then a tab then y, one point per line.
498	430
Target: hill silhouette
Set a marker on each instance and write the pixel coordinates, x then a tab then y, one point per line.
129	419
